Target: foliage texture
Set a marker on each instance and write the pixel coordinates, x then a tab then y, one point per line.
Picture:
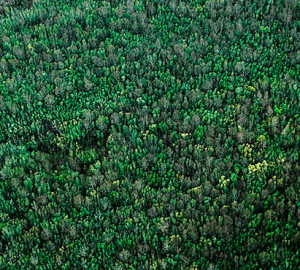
142	134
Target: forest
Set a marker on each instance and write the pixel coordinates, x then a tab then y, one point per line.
149	134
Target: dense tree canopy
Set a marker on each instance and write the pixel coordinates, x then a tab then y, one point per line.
138	134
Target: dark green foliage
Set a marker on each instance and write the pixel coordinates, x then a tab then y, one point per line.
6	5
149	134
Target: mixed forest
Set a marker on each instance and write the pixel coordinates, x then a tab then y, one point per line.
149	134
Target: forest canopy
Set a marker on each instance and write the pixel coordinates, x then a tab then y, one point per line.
138	134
